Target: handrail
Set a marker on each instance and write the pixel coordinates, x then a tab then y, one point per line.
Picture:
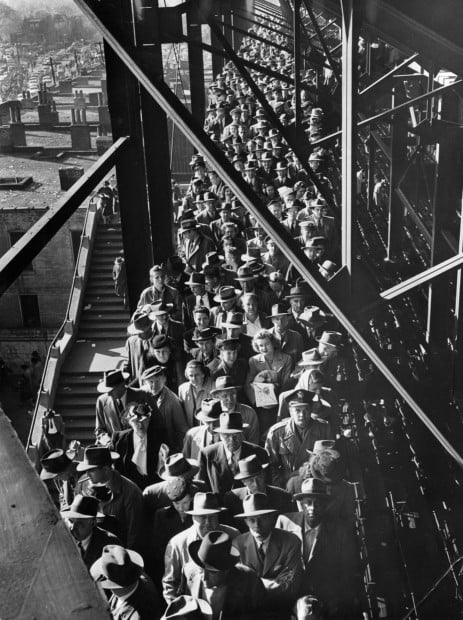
65	336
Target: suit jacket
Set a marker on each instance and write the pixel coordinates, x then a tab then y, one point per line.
140	356
99	539
245	596
331	564
190	303
292	344
278	499
282	563
144	604
195	253
214	468
175	331
168	295
173	416
196	439
108	415
122	443
192	402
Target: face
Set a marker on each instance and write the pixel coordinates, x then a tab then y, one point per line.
281	323
229	356
276	287
195	376
317	212
206	346
271	247
183	504
228	399
213	579
326	350
228	305
247	285
300	414
230	231
162	319
264	346
233	332
80	528
232	441
313	508
100	475
250	305
225	216
260	526
162	355
206	523
158	280
201	320
139	423
198	289
155	384
255	484
212	283
297	304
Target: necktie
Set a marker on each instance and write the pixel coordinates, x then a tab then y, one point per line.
261	552
81	548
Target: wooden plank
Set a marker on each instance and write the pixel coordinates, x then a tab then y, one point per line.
42	575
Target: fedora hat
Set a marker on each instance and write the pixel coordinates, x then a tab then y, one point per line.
281	166
315	242
332	339
204	334
299	397
255	265
174	264
190	607
209	197
249	467
244	274
212	258
313	315
141	323
223	383
226	293
300	290
229	344
101	492
231	422
205	504
255	505
313	487
188	225
311	358
276	276
210	410
233	319
160	341
328	269
112	379
97	456
53	463
159	309
214	552
251	253
153	371
322	445
196	278
199	199
117	567
307	224
82	507
278	309
177	465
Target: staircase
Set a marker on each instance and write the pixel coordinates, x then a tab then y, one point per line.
101	337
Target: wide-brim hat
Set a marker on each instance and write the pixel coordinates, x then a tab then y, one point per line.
244	274
97	456
278	309
226	293
313	487
160	309
224	383
231	423
205	504
256	505
313	315
311	358
214	552
141	323
82	507
233	320
117	565
179	466
111	380
210	410
250	467
332	339
54	463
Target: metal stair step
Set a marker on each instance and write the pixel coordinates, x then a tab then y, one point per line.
109	315
76	389
115	308
74	401
98	335
102	325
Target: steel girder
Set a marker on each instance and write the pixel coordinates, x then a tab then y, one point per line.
195	133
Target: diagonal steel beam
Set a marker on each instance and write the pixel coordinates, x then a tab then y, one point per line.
382	116
319	34
422	278
36	238
195	133
388	75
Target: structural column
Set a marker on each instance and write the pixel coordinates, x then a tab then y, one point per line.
196	65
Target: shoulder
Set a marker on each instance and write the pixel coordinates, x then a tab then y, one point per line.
179	540
155	489
290	520
278	429
211	451
183	388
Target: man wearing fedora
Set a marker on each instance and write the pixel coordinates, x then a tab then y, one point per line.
252	474
160	291
288	441
298	297
228	300
205	350
204	435
153	382
164	324
199	297
59	474
195	245
275	257
231	364
110	405
329	551
125	500
209	213
81	519
156	495
214	574
139	344
219	463
291	341
279	288
233	326
133	594
274	554
205	514
139	445
247	281
226	391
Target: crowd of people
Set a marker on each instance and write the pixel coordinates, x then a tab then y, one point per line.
217	485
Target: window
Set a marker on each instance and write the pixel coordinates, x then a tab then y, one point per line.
14	237
30	310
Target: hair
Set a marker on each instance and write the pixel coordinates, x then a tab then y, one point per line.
197	364
327	465
202	310
264	333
